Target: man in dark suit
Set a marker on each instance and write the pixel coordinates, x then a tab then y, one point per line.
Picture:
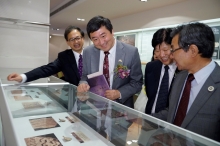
194	102
155	72
67	61
100	31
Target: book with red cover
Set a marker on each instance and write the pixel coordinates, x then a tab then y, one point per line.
98	83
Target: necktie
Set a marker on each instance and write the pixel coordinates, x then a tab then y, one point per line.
80	65
106	68
162	99
181	112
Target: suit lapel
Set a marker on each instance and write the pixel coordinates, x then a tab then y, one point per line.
120	55
156	77
73	63
175	93
202	97
174	76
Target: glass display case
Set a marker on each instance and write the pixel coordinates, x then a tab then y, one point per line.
55	114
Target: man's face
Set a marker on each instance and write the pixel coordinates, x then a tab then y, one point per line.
165	54
182	58
102	39
75	41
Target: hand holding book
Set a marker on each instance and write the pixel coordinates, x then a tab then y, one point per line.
98	83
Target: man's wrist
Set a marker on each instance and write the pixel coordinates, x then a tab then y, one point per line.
24	78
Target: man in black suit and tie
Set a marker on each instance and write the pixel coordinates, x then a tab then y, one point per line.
68	61
160	73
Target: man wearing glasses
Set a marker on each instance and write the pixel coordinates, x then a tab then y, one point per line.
194	101
68	61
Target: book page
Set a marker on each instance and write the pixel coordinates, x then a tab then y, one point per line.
94	75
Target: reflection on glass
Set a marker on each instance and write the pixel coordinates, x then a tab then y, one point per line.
124	126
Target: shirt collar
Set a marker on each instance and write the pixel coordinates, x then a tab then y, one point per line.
76	54
172	67
204	72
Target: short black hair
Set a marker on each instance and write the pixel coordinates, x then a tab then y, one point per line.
96	22
160	36
198	34
69	29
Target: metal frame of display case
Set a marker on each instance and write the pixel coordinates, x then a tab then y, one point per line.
104	122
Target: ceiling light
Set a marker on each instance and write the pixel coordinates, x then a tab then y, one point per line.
143	0
80	19
55	28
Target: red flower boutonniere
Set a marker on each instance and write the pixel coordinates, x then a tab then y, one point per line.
121	71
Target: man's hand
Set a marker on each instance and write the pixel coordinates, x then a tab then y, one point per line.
14	77
83	87
112	94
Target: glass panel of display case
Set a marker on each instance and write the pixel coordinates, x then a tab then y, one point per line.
28	100
62	116
125	126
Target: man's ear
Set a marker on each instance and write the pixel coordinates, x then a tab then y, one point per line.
194	50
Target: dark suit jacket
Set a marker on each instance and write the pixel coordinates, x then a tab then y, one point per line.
151	81
204	115
130	57
65	62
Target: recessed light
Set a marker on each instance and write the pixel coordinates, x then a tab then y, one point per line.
55	28
143	0
80	19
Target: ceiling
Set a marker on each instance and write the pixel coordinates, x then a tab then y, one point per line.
66	12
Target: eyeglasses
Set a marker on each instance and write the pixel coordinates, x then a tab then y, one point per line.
75	39
174	50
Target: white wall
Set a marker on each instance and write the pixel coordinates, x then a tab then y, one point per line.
23	46
186	11
57	44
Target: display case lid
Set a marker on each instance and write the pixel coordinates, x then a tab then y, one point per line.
110	120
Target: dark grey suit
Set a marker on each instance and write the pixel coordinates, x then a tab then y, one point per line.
130	58
204	115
